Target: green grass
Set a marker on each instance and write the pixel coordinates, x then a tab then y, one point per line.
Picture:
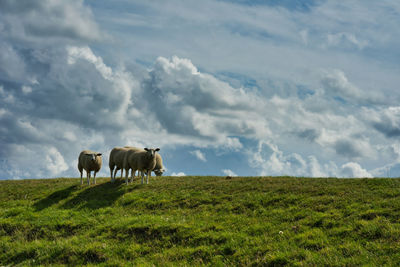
178	221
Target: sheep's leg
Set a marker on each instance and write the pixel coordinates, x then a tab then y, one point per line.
147	177
81	178
115	173
142	174
94	177
133	174
126	176
122	172
88	177
111	175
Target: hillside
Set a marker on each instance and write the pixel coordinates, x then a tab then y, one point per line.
273	221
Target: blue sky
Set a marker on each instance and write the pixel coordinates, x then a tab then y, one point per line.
302	88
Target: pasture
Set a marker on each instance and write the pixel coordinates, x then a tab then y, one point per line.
212	221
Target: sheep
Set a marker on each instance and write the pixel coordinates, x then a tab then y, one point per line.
158	169
90	161
116	159
143	161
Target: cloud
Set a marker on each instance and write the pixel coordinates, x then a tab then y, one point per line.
336	85
178	174
346	38
229	172
354	170
35	20
313	90
186	101
384	120
353	148
272	161
23	161
199	155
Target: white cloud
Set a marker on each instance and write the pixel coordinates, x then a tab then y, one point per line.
336	84
188	102
75	53
354	170
229	172
344	38
50	163
54	162
314	89
199	155
272	161
26	89
178	174
49	19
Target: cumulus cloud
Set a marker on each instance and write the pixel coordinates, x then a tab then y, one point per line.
23	161
63	90
178	174
229	172
272	161
354	170
188	102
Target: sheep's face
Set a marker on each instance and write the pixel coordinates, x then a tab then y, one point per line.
93	156
152	151
159	172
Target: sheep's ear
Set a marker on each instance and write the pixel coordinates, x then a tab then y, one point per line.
157	149
98	154
146	149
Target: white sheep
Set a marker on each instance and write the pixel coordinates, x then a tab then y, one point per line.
143	161
90	161
116	160
158	169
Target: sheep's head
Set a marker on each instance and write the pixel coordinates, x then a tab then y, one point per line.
159	172
93	156
151	152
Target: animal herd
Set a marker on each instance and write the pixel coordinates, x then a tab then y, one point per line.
126	158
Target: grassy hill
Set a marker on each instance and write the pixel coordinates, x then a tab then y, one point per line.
272	221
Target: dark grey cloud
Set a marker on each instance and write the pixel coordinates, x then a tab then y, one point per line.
388	127
347	149
384	120
308	134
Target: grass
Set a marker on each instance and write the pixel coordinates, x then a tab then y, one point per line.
212	221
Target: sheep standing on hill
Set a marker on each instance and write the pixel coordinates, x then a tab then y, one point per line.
159	168
90	161
143	161
116	159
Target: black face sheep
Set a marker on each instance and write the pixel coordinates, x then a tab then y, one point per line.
143	161
90	161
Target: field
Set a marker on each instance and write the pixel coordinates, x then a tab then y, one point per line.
214	221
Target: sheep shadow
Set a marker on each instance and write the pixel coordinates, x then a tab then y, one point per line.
54	198
97	196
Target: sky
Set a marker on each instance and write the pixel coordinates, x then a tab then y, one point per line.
248	88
